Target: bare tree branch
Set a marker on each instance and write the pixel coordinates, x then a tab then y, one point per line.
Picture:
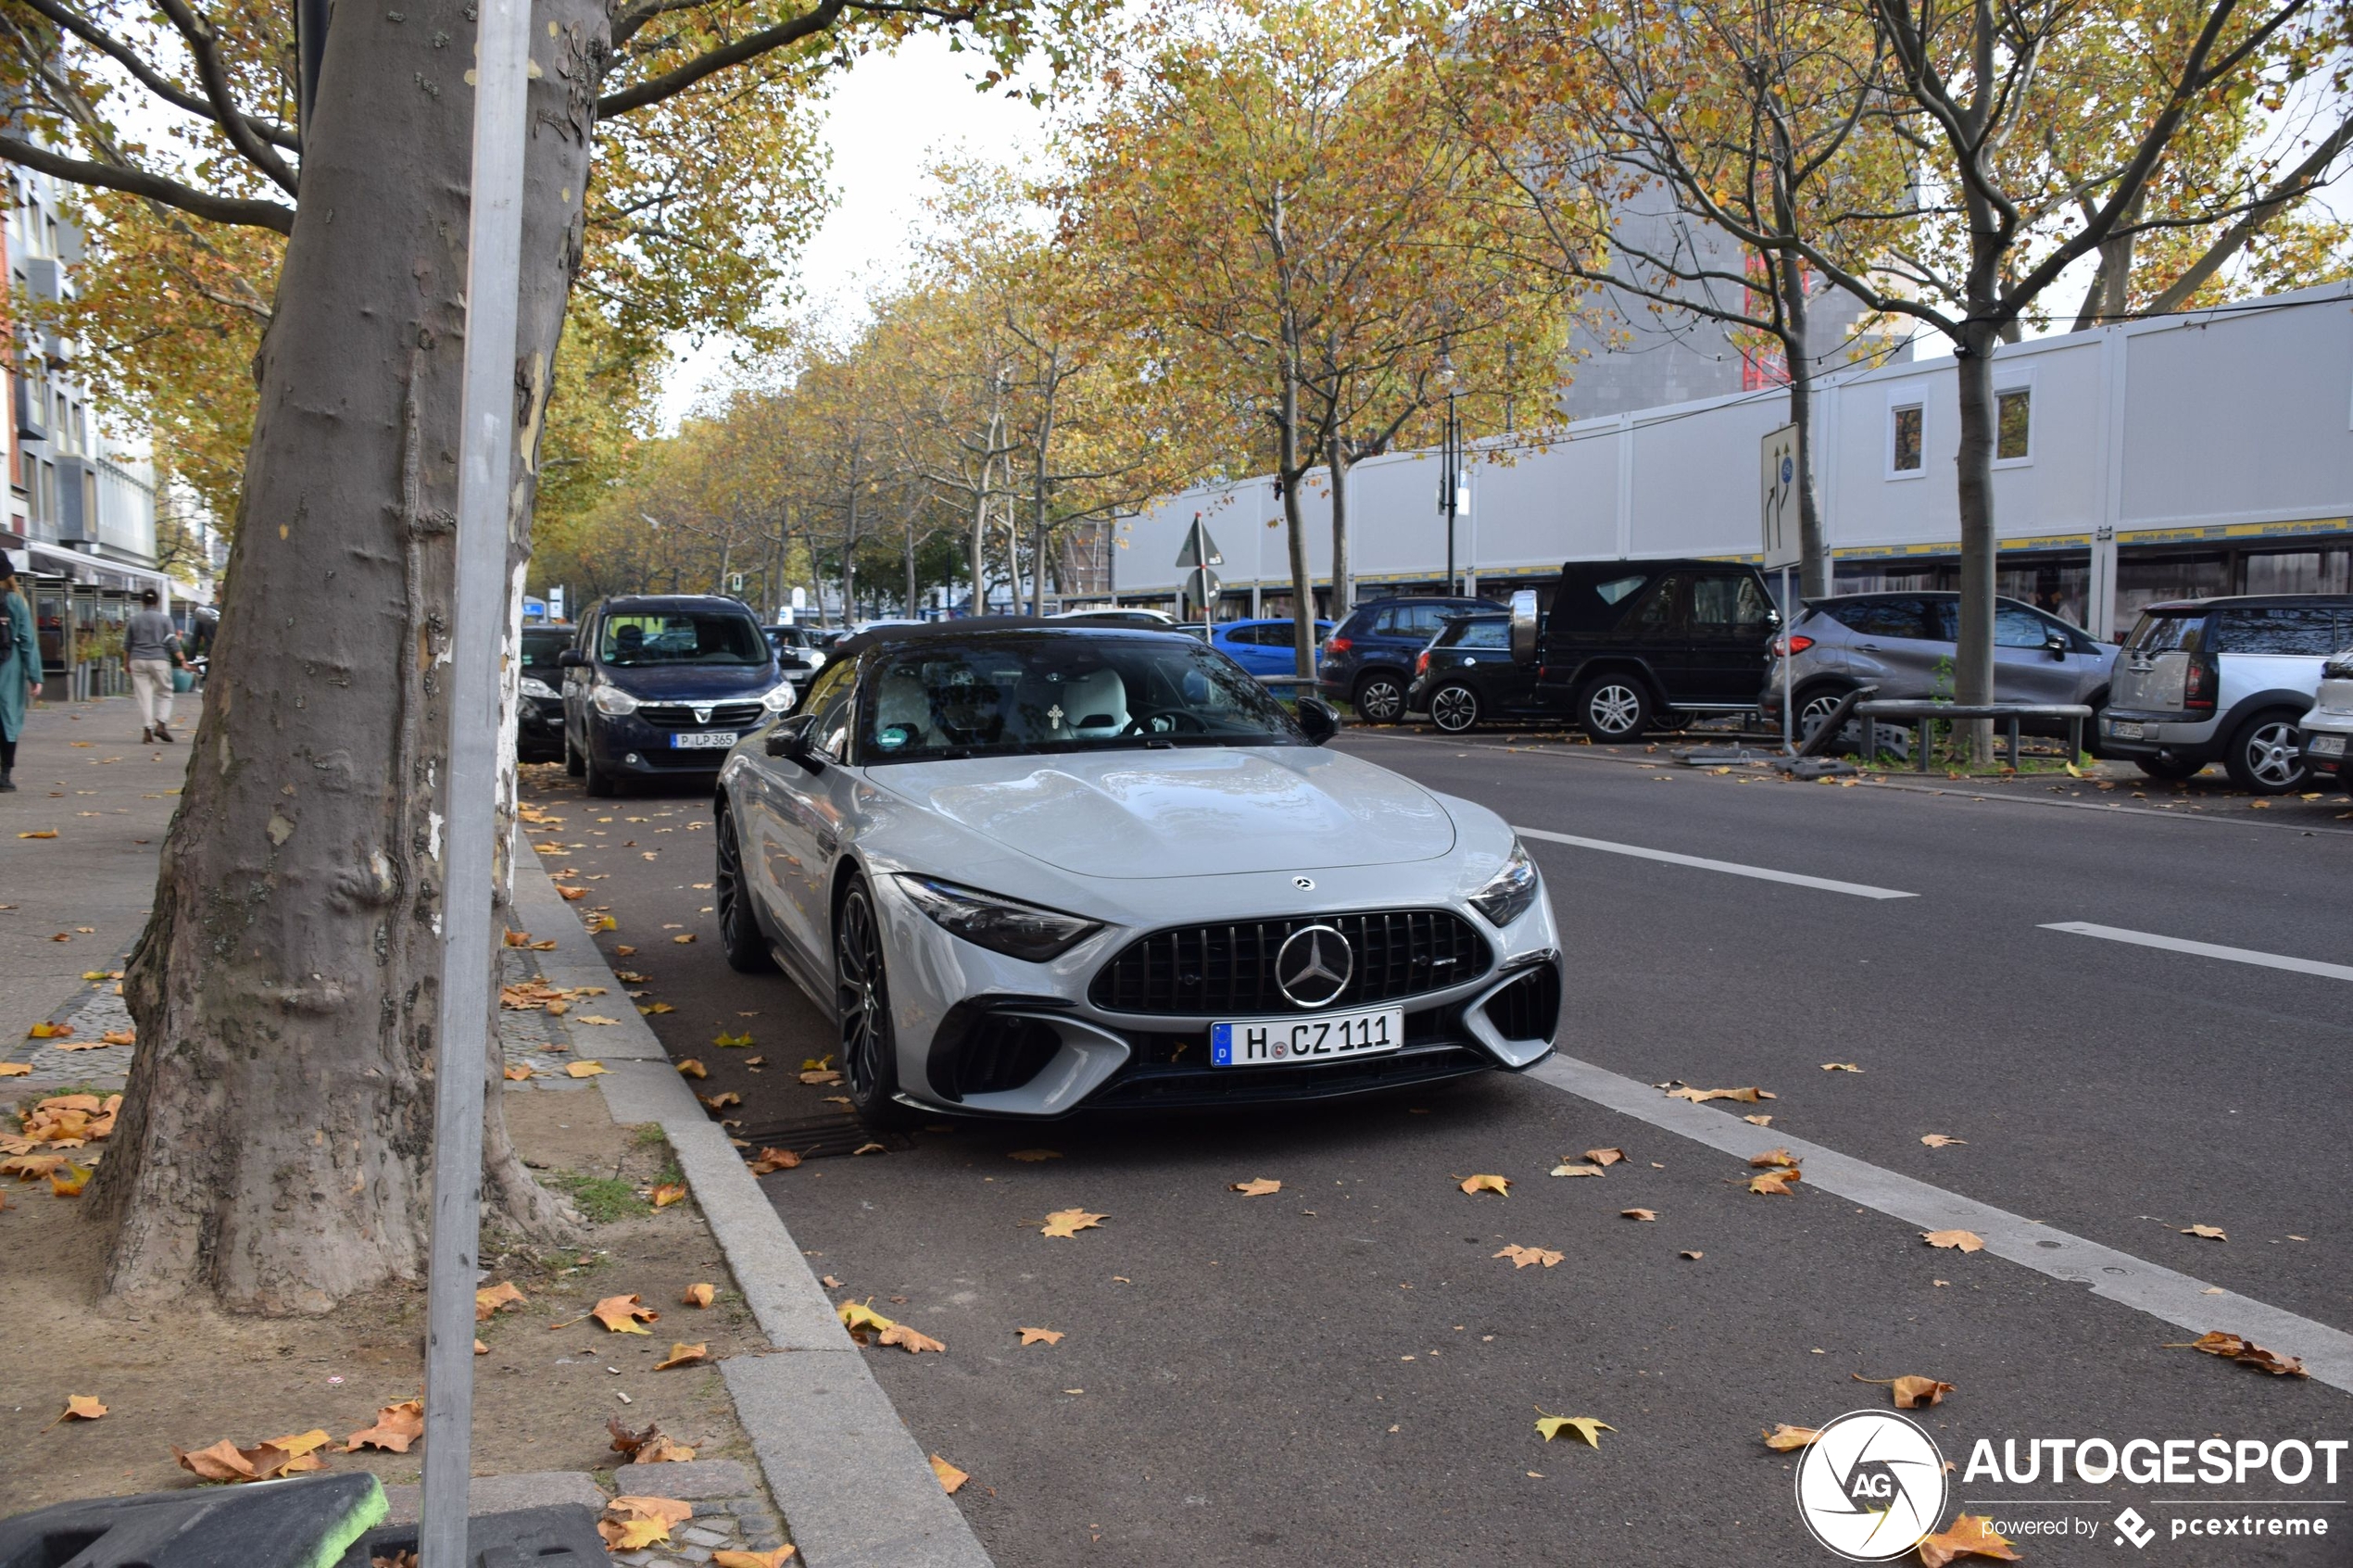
143	183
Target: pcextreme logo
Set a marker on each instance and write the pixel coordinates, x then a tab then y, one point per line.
1871	1486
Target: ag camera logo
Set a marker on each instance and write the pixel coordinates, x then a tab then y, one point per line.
1871	1486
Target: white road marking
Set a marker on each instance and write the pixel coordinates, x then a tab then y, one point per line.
1763	873
2205	949
2176	1299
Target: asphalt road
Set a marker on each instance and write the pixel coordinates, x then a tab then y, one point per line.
1344	1372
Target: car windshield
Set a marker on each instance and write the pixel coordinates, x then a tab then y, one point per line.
690	638
540	649
1002	695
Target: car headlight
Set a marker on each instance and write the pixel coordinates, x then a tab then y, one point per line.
1507	898
779	699
533	686
612	701
1001	925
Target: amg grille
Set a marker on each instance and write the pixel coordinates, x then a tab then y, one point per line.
1213	970
1529	1007
723	716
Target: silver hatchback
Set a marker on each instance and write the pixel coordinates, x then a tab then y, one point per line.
1904	643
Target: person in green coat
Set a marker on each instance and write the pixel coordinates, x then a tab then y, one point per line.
20	668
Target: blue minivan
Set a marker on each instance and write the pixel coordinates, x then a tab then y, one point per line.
660	685
1263	648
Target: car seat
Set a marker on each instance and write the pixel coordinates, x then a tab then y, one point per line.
1097	702
900	704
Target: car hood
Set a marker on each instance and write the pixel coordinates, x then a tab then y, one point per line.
690	682
1210	811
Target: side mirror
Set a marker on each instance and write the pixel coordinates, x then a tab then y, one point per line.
1320	720
1524	626
571	659
2060	647
788	738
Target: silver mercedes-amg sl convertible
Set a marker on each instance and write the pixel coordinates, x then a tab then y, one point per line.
1031	866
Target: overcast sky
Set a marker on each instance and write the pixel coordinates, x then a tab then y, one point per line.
889	118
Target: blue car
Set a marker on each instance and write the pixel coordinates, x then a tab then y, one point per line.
659	686
1263	648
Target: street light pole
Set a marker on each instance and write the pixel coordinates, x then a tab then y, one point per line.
486	468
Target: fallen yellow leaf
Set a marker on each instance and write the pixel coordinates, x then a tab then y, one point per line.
1910	1393
16	1069
220	1462
1604	1156
1971	1534
1039	1335
79	1407
1773	1184
667	1193
2209	1233
949	1476
70	1182
775	1559
662	1450
2231	1347
494	1298
683	1354
1781	1437
732	1041
584	1069
1773	1157
1966	1241
397	1426
519	1073
1700	1097
913	1341
1498	1185
1939	1140
1257	1186
856	1316
699	1295
49	1032
49	833
690	1068
1840	1067
1523	1255
1758	1120
686	937
1643	1214
1569	1170
119	1038
624	1313
774	1160
1585	1426
1067	1223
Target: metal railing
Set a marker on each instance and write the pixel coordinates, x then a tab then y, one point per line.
1925	713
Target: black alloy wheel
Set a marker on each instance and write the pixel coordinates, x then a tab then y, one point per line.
739	931
862	996
1454	709
1613	707
1380	698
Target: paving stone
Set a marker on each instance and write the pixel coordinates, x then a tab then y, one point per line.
691	1482
700	1536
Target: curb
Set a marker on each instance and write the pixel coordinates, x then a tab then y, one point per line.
855	1488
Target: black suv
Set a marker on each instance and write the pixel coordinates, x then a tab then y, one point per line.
1368	660
661	685
1627	645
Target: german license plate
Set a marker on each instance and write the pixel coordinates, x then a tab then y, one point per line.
1270	1042
2125	729
2327	745
704	740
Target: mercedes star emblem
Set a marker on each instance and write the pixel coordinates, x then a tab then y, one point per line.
1305	884
1314	966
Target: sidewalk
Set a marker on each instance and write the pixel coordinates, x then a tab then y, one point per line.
82	775
784	1387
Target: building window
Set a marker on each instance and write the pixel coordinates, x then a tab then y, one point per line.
2014	424
1906	426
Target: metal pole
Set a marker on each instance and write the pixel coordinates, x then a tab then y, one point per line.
1789	697
485	456
1453	441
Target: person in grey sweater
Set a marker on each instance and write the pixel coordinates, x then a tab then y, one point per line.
151	646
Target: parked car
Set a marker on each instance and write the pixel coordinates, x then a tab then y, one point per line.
660	685
1467	673
1117	615
1368	662
2327	730
1031	868
2223	680
1263	648
797	650
1903	644
539	704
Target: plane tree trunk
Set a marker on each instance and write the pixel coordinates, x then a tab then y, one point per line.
273	1150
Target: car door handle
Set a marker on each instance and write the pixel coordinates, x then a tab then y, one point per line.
826	843
1868	647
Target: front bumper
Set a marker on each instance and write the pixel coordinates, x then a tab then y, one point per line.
629	745
979	1034
2170	735
2334	765
539	728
